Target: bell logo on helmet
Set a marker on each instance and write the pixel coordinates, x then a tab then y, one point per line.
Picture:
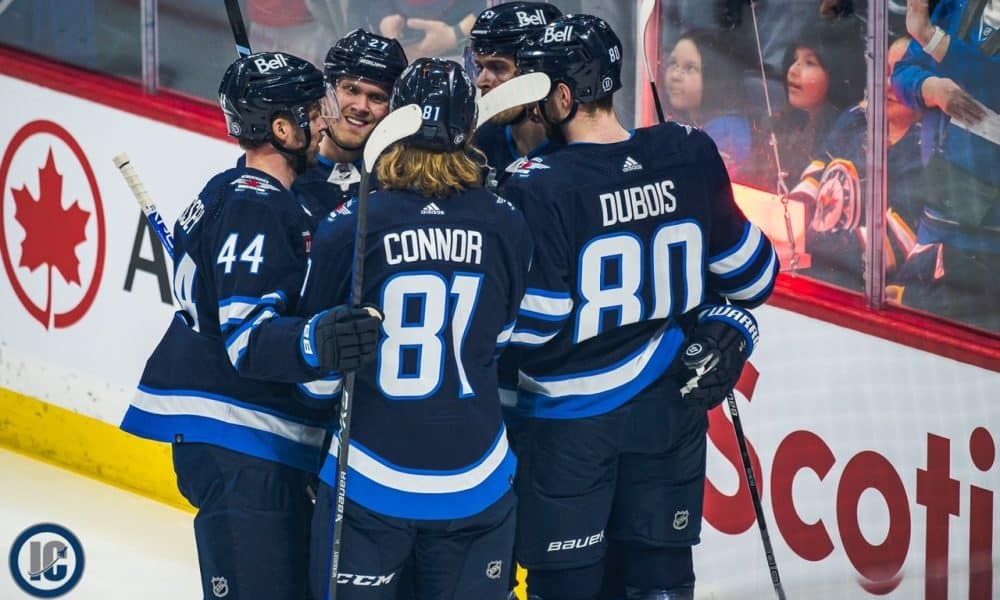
554	36
264	65
525	19
607	83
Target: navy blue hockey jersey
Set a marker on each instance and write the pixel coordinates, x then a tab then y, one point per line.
427	437
502	156
628	237
327	185
223	373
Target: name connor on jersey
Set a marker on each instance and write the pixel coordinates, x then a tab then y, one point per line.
433	243
638	202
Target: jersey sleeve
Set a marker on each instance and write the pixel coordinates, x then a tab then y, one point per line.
743	264
327	284
547	303
521	253
258	257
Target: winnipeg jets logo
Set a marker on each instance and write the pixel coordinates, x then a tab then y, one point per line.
680	519
344	174
431	209
630	165
254	184
525	166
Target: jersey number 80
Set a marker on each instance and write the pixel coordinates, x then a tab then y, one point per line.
621	258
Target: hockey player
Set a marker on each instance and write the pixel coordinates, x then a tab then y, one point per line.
513	136
633	231
430	469
218	384
360	70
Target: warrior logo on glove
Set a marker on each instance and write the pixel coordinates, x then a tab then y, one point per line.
716	351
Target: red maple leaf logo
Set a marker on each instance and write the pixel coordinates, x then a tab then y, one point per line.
51	232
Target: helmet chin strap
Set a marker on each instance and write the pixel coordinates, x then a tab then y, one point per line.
300	157
336	142
545	114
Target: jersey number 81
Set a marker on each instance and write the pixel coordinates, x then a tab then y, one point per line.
418	306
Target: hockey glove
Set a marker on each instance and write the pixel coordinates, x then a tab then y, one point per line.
715	353
347	338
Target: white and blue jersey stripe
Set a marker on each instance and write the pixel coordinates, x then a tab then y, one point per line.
629	237
427	433
398	491
224	372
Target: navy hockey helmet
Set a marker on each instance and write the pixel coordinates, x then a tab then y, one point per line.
447	96
265	85
503	28
365	55
581	51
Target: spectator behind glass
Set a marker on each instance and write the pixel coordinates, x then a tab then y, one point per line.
425	27
704	87
824	75
832	187
288	26
951	69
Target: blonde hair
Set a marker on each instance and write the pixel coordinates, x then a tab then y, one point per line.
427	172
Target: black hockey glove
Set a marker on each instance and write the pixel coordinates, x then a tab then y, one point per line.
347	338
715	353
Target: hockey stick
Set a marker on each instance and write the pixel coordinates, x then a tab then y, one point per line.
239	30
520	90
758	508
645	12
145	201
400	123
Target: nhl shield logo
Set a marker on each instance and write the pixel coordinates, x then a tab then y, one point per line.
494	568
680	519
220	587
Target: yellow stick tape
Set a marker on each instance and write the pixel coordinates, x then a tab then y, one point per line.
88	446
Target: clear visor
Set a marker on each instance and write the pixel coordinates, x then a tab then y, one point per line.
329	106
469	57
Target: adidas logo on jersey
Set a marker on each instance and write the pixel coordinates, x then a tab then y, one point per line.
630	165
432	209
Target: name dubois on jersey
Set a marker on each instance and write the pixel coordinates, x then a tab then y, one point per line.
433	243
638	202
